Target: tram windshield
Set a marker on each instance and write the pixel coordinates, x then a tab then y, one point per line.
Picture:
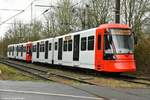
119	41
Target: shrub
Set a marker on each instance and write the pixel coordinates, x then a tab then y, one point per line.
142	56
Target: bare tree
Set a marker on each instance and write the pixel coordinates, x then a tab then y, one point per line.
49	25
135	13
65	17
36	30
95	12
102	11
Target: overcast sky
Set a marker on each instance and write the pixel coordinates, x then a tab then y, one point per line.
19	4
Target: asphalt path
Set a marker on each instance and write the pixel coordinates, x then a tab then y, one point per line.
119	93
24	90
14	90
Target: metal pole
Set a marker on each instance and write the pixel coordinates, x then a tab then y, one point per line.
31	11
31	21
117	15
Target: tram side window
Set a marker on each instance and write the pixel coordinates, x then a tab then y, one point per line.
50	46
83	43
13	50
34	48
99	42
91	43
21	49
70	45
9	50
42	48
17	50
24	48
65	45
55	45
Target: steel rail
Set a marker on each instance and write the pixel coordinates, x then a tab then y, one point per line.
126	78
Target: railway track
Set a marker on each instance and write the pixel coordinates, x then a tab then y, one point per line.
134	79
63	76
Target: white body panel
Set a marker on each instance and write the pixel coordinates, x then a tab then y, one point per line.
9	51
42	54
23	56
86	58
12	54
15	56
24	53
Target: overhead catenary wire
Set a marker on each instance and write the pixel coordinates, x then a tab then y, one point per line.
51	6
17	13
58	6
11	17
11	9
21	11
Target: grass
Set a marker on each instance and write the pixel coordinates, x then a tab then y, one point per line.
8	73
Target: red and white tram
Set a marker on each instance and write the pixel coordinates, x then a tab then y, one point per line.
107	48
21	51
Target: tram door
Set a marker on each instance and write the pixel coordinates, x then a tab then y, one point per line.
46	49
60	41
76	48
37	55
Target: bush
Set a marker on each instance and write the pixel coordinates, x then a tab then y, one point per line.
142	56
